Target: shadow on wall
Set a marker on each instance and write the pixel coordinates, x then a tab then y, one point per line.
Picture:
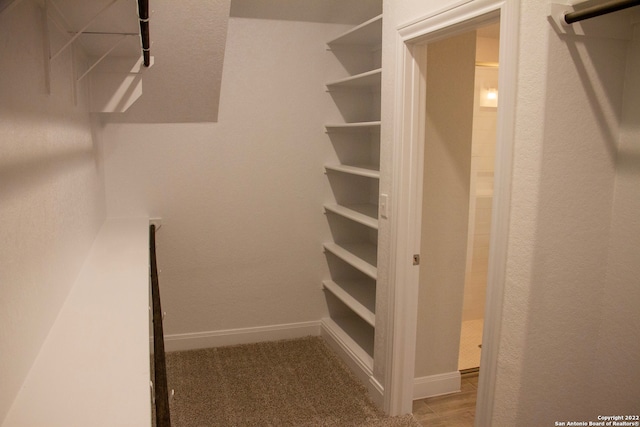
584	106
41	170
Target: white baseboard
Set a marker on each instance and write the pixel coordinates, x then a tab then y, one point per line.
209	339
376	392
435	385
355	358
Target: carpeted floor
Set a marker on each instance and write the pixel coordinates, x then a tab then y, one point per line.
285	383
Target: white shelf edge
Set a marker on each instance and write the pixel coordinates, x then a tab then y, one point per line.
352	259
353	215
368	78
363	170
357	126
355	305
362	27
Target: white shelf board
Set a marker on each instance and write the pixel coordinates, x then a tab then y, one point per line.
364	214
358	126
361	256
367	33
368	79
367	171
348	344
359	296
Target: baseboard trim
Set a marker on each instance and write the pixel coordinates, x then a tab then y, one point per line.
376	392
436	385
354	358
209	339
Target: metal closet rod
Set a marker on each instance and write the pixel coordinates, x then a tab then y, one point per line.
143	15
603	9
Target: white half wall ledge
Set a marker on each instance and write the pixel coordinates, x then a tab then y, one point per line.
210	339
436	385
95	355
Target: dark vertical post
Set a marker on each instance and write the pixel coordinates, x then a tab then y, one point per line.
163	418
143	14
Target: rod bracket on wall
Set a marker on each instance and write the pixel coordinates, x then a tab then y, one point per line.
610	25
599	10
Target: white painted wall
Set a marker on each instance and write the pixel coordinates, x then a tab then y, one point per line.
563	189
241	199
51	192
617	367
569	295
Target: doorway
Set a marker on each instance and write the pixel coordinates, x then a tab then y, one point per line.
457	187
410	169
483	143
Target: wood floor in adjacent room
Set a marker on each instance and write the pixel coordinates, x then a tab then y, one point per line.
452	410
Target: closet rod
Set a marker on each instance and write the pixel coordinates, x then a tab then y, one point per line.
603	9
143	15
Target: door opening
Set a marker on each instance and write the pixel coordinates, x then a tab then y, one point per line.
412	172
480	196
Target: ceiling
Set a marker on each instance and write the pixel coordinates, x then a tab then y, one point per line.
112	23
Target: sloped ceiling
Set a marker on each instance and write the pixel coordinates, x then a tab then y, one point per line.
187	42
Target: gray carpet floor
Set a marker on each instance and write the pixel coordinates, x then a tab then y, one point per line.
284	383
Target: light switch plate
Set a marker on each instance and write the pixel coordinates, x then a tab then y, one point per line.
383	206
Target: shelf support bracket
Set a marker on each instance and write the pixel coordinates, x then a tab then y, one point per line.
79	33
124	36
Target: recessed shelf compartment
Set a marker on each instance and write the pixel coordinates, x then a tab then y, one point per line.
361	256
353	178
368	33
360	170
365	214
357	295
348	334
370	79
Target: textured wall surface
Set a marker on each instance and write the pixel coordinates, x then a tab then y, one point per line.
617	367
566	132
241	199
51	191
188	44
571	274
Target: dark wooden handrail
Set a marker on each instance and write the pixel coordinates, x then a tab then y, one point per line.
161	389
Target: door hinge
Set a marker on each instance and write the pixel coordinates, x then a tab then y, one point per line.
416	259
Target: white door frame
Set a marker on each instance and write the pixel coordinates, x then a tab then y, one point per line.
410	101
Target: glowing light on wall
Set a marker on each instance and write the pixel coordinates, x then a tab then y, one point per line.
489	97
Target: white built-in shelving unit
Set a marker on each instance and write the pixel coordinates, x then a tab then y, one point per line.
354	182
